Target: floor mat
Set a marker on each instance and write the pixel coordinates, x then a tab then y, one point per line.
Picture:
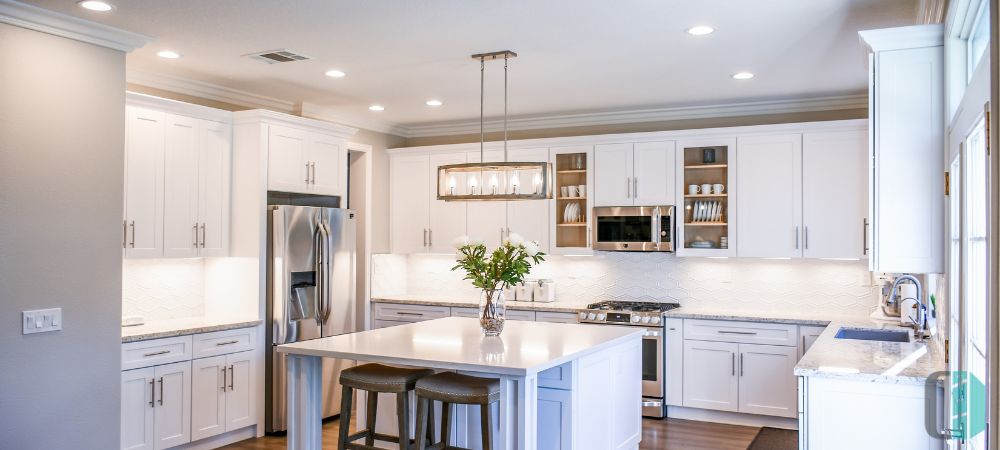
775	439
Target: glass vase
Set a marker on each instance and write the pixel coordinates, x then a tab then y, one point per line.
492	312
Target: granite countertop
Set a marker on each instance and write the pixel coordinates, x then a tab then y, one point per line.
180	327
794	318
558	306
873	361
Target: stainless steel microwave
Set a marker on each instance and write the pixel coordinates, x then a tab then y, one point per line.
634	228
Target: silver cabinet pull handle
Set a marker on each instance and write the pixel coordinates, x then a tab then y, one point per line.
307	172
430	237
203	235
796	237
124	234
635	187
227	343
314	172
195	228
741	364
161	391
864	237
152	393
742	333
628	187
734	363
161	352
501	235
404	313
805	238
588	237
132	227
232	378
223	378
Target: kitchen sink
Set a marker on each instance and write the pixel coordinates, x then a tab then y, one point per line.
873	335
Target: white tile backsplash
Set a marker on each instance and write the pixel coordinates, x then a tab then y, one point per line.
160	289
840	287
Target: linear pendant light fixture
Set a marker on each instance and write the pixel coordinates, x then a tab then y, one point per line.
485	181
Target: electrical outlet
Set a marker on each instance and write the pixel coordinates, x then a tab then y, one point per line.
41	320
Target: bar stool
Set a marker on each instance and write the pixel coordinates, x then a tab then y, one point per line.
375	378
453	388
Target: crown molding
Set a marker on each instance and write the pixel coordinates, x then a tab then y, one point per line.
535	122
914	36
256	116
67	26
177	107
306	109
206	90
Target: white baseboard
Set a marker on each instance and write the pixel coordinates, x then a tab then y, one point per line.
221	440
751	420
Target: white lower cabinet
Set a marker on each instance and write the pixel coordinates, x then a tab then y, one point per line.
555	412
808	337
138	389
767	382
673	362
156	408
223	395
710	380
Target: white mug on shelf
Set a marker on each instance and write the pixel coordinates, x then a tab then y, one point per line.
573	191
718	188
564	190
693	189
582	190
706	188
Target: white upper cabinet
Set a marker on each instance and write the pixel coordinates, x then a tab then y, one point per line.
327	157
769	205
906	116
144	149
487	221
409	191
834	194
180	197
447	219
288	169
529	218
640	174
214	186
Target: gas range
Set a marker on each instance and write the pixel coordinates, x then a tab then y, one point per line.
626	313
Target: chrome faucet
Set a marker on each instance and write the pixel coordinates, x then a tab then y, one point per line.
920	321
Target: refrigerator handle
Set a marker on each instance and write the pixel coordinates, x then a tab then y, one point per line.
280	291
322	272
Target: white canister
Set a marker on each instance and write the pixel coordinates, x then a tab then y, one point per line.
523	291
907	303
545	291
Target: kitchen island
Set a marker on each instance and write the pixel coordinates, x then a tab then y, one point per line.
596	370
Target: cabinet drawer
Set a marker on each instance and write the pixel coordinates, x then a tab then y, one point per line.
410	313
154	352
512	314
555	317
742	332
224	342
559	377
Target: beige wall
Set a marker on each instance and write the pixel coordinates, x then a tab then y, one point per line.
62	111
689	124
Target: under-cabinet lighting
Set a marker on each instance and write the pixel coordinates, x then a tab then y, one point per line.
718	257
779	259
841	259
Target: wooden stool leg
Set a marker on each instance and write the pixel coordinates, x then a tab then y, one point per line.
487	424
345	417
445	424
403	415
370	417
422	428
430	422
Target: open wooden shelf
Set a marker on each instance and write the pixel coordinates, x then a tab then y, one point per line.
572	224
571	198
706	166
705	195
706	224
572	171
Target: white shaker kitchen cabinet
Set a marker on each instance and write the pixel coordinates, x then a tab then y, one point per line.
180	195
673	344
241	395
529	218
808	338
327	159
409	190
654	170
834	194
172	409
710	380
287	166
769	205
447	219
144	146
767	382
208	397
555	414
214	187
137	407
487	221
906	120
613	165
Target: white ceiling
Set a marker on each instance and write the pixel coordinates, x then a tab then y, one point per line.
575	55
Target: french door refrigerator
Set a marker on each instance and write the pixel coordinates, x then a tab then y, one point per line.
310	293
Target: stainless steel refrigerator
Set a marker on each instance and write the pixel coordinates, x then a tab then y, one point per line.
310	292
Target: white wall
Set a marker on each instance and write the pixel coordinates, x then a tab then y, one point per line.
61	163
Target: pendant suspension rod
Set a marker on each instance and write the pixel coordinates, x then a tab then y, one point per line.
482	111
505	108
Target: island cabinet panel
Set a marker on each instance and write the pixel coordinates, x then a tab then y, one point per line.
555	412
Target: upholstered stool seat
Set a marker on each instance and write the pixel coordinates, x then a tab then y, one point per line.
376	378
451	388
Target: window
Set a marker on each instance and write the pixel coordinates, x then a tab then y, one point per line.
979	39
976	257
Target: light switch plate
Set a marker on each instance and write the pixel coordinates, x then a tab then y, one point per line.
41	320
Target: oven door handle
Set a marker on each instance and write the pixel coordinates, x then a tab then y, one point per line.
652	333
655	234
656	404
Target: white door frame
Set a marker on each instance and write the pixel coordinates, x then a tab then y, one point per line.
364	254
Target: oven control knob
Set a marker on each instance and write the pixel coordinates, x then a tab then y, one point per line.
583	316
635	319
655	320
645	319
601	316
591	316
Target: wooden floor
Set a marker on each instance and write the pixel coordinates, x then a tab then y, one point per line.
668	434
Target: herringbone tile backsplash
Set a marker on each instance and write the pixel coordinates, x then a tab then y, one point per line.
839	287
160	289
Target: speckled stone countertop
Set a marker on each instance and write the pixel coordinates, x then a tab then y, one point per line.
795	318
180	327
560	306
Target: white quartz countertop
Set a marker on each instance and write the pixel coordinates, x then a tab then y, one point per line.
457	343
560	306
180	327
874	361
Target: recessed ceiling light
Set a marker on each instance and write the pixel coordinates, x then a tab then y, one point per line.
433	102
377	108
95	5
700	30
335	73
742	76
168	54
